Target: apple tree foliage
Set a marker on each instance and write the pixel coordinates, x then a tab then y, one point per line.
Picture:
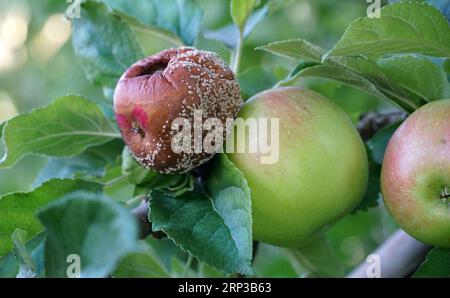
80	202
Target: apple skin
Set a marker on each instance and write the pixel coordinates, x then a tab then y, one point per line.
416	168
321	174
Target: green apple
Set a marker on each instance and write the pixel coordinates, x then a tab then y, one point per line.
415	178
321	173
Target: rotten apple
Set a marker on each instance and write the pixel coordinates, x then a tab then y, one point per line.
166	86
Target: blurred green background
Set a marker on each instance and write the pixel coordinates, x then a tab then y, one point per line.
37	64
37	61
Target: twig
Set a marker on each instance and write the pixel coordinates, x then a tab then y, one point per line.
399	255
370	123
141	213
145	226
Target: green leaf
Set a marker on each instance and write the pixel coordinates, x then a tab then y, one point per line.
181	17
21	176
96	229
229	34
192	221
418	75
140	264
378	143
2	144
372	72
347	77
18	209
27	266
104	44
446	66
89	164
115	183
436	264
178	269
407	27
9	266
254	80
143	11
190	19
230	194
442	5
152	39
376	147
372	194
135	172
297	49
170	18
146	179
240	10
318	258
352	101
64	128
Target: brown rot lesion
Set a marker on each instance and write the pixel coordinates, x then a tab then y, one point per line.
136	129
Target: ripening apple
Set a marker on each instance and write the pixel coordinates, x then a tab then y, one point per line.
415	178
321	173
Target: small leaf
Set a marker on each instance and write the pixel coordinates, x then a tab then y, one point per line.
406	27
254	80
376	147
86	224
297	49
115	183
18	209
104	44
372	194
240	10
140	264
135	172
418	75
229	34
378	143
436	264
64	128
27	266
9	266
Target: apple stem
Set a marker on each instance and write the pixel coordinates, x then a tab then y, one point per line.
398	256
